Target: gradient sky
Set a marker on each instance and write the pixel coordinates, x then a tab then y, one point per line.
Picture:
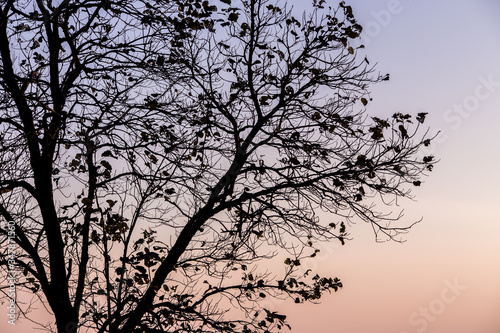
441	55
444	59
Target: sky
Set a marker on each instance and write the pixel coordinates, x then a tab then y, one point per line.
444	59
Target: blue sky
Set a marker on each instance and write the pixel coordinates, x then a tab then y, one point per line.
444	59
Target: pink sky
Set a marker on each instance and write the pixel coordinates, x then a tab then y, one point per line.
444	58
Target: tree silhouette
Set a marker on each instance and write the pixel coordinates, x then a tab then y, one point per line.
154	153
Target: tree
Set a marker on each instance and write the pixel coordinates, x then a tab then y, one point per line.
153	154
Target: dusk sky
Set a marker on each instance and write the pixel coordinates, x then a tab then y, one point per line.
444	59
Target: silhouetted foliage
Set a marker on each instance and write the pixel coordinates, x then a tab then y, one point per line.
152	153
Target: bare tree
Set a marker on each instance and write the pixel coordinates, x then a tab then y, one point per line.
152	154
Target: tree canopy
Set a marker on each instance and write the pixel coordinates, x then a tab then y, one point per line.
153	153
